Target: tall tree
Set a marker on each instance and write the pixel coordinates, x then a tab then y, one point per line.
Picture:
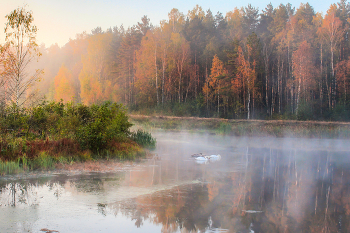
250	19
126	60
180	56
21	51
333	32
95	71
217	82
176	20
246	72
234	24
343	79
146	73
64	86
303	71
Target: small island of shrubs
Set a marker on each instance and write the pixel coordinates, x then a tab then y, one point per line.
49	133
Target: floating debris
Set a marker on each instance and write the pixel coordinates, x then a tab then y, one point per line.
48	231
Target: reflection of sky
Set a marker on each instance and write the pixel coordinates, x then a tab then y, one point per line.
58	21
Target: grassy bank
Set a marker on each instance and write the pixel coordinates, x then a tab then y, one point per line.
55	133
274	128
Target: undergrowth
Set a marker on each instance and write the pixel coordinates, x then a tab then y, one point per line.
51	133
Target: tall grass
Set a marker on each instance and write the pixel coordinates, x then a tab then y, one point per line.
10	167
144	139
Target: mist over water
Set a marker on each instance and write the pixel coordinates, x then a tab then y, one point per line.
259	185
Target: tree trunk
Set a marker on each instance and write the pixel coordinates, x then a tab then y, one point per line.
180	87
332	78
163	67
155	64
219	100
266	79
298	97
248	106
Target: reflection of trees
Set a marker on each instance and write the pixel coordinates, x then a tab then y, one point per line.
24	192
175	209
15	193
296	191
299	191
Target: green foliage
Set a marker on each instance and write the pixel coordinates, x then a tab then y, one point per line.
305	112
101	124
144	139
341	112
53	132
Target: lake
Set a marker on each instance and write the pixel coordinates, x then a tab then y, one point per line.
258	185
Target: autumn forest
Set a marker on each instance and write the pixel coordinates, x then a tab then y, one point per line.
281	62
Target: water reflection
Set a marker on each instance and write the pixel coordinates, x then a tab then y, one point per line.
253	188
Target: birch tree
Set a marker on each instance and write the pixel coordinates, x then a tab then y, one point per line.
303	71
21	51
333	33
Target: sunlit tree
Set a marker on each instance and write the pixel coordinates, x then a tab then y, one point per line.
216	82
21	51
64	85
333	32
303	71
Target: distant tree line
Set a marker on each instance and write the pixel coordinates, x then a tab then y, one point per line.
278	63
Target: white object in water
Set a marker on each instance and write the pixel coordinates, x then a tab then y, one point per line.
202	161
215	157
202	158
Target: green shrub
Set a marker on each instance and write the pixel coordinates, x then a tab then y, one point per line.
48	133
101	124
144	139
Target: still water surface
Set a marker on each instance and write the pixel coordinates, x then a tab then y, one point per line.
259	185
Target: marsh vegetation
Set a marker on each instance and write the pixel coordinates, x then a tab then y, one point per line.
50	133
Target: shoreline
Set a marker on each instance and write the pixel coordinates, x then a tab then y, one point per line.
249	128
82	167
132	116
101	165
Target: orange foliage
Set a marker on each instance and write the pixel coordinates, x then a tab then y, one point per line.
90	88
215	81
342	76
246	75
146	72
64	88
332	27
95	85
303	68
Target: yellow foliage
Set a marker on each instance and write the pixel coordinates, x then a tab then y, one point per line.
64	87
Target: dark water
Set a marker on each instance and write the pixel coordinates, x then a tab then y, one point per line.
259	185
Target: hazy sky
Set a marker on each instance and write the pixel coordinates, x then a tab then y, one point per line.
59	20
